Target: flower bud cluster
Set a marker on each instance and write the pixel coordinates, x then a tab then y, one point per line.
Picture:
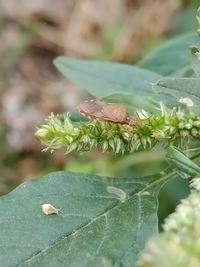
179	245
167	127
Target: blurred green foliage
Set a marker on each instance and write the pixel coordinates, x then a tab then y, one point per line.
106	165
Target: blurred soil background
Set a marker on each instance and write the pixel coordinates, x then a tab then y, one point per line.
32	34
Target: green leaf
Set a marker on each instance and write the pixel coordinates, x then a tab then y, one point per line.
185	21
180	88
172	58
179	161
135	103
102	79
196	65
74	115
114	82
102	221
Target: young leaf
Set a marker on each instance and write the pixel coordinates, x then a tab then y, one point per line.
182	163
100	221
172	57
102	79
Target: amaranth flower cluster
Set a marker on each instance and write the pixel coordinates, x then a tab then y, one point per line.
167	127
179	245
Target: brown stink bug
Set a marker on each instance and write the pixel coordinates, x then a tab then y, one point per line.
100	110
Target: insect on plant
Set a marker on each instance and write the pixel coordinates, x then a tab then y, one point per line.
112	112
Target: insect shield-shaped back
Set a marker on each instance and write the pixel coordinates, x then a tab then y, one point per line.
100	110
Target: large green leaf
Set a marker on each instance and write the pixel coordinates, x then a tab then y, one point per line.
180	88
102	222
173	57
113	82
102	79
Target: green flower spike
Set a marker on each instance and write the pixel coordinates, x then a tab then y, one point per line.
167	127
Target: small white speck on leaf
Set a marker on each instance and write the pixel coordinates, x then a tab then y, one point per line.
121	195
49	209
187	101
145	193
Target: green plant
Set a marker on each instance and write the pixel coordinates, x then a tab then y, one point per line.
106	222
